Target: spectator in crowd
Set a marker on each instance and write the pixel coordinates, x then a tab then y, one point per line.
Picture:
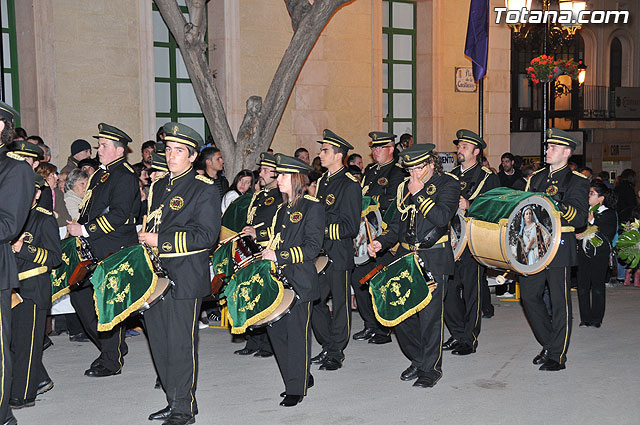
80	149
36	140
160	135
605	178
587	172
89	165
518	162
47	153
317	166
242	184
74	189
313	183
213	165
485	163
59	206
355	160
147	149
50	174
142	172
355	171
303	155
626	192
526	173
509	174
572	165
21	134
406	140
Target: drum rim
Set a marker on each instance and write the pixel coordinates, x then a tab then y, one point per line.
147	305
364	259
463	241
260	324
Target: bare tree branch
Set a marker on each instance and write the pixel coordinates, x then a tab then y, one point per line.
297	10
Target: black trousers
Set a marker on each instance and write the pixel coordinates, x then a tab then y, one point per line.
27	334
172	329
462	305
258	340
553	332
332	329
6	370
592	275
291	340
420	336
111	344
363	297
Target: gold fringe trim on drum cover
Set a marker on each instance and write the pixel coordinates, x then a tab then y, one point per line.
263	314
60	293
406	314
370	209
133	307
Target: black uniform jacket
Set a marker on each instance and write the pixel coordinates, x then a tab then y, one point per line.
46	198
340	193
262	209
298	232
607	223
570	191
433	206
40	253
109	208
380	181
475	181
185	212
16	193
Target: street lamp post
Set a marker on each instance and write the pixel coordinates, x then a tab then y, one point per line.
565	32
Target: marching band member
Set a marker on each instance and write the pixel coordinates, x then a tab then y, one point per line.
297	234
184	223
380	181
340	194
107	219
463	315
262	209
16	192
570	190
427	201
37	251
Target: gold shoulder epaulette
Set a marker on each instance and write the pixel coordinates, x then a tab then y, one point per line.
311	198
580	174
536	172
487	170
352	177
158	177
452	175
205	179
44	211
15	156
128	167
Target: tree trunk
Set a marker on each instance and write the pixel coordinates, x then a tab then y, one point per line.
261	118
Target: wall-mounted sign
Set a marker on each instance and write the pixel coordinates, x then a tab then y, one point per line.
627	102
449	160
464	80
616	152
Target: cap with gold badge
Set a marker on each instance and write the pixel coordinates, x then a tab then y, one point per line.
267	160
562	138
27	150
416	154
7	112
180	133
469	137
290	165
333	139
380	138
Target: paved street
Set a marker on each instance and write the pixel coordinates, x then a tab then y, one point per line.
497	385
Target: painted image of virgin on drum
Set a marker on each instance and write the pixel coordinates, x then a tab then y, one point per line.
529	237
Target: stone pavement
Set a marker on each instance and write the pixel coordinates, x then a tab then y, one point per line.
497	385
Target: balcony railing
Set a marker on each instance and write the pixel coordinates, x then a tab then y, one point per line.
598	103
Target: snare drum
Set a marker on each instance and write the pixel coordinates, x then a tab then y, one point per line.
163	286
246	251
514	230
361	256
289	298
322	262
87	264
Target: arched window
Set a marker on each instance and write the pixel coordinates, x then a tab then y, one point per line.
615	63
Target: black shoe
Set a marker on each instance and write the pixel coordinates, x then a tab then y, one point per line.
44	386
81	337
309	385
158	385
552	365
595	324
15	403
263	353
450	344
100	371
47	343
179	419
366	333
463	349
320	358
10	419
425	382
584	324
409	373
331	364
291	400
541	357
161	414
380	339
245	351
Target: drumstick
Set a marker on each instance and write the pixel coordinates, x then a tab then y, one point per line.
74	221
424	174
144	223
366	224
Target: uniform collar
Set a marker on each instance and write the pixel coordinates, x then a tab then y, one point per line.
468	169
565	167
115	162
386	163
173	179
341	170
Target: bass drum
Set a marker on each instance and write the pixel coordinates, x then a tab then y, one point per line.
458	234
361	256
514	230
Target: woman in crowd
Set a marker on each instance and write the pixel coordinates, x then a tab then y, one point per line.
242	184
75	186
593	262
49	173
